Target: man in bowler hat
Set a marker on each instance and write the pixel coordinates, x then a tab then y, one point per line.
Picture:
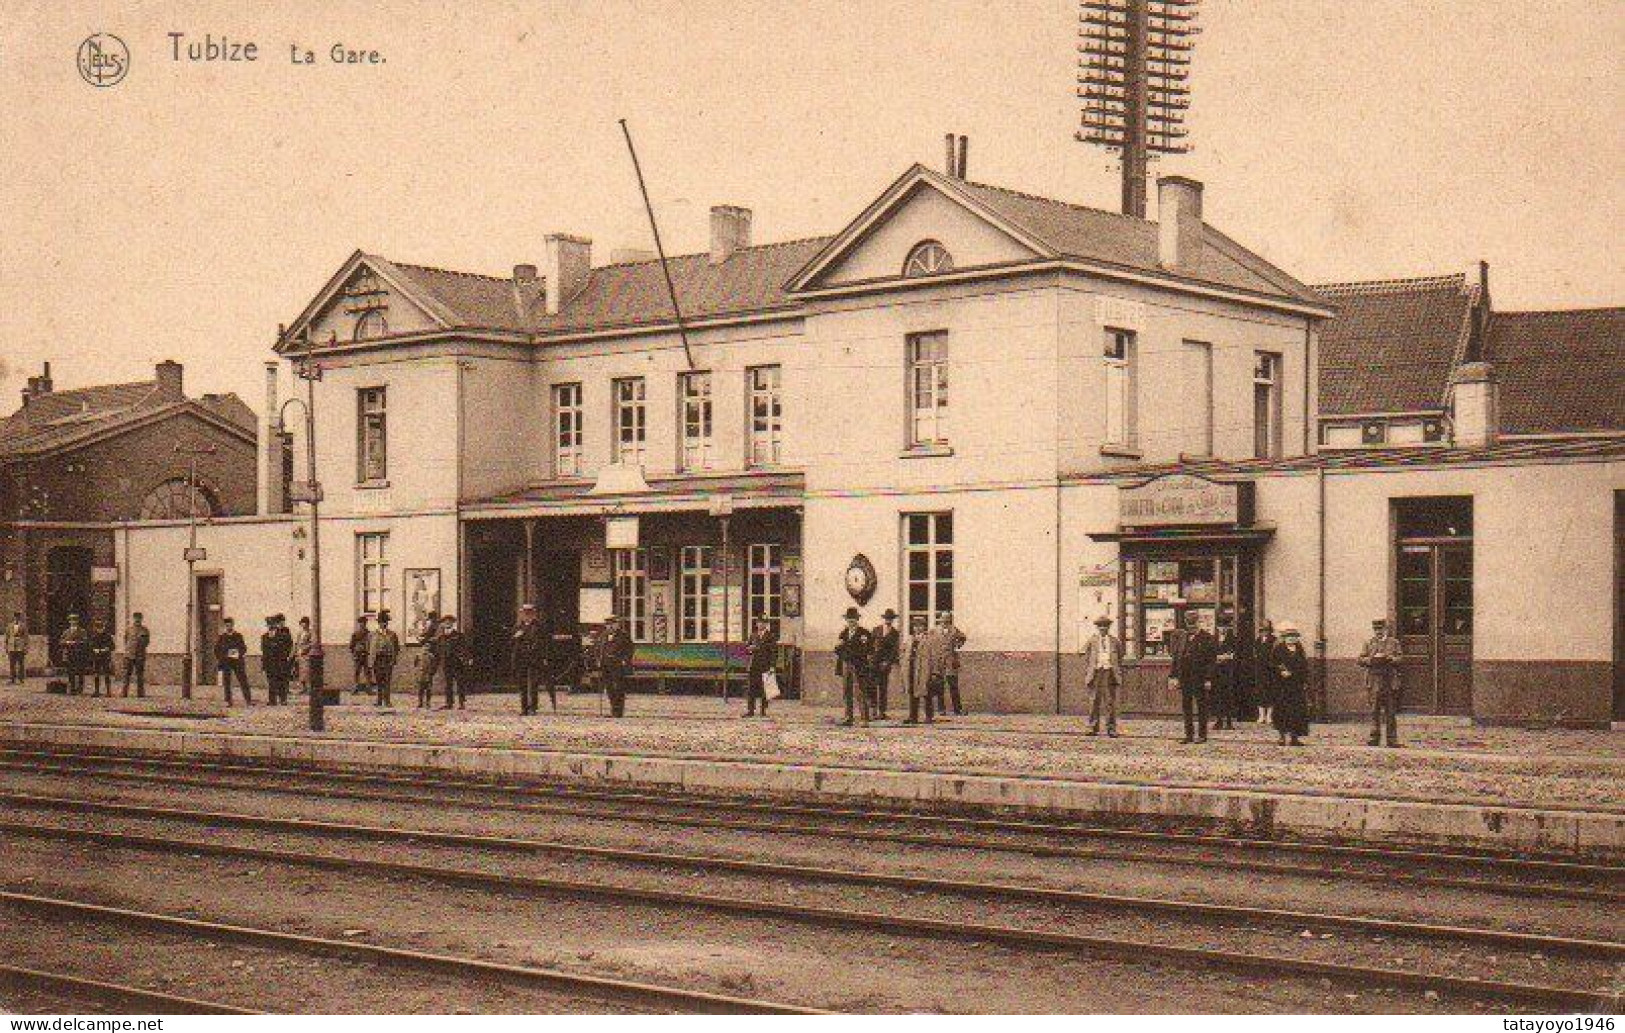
887	652
853	654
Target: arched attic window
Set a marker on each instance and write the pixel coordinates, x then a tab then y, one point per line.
928	257
371	324
170	500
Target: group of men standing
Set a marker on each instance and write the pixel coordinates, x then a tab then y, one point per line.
87	652
865	659
1231	677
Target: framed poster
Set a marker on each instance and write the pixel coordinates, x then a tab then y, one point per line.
422	595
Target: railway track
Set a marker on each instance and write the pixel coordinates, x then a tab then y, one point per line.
1089	901
117	995
637	994
1583	880
1554	997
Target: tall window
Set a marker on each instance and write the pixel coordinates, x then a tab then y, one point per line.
371	435
1266	405
928	388
694	593
1119	357
631	421
632	591
372	573
694	400
928	564
766	409
1199	396
764	584
567	430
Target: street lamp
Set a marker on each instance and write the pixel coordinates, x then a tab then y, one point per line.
193	556
310	493
722	507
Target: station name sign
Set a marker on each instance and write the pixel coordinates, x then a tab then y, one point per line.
1179	499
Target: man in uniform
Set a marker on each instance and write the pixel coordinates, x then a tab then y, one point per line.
383	649
276	659
1193	650
614	662
74	647
888	651
952	640
451	658
137	640
101	658
1103	667
529	661
358	656
230	658
1380	657
854	652
16	648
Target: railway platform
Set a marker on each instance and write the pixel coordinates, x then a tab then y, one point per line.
1502	788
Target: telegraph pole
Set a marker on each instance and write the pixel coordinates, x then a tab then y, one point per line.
193	556
1133	77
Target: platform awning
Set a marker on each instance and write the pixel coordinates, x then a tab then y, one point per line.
768	490
1255	534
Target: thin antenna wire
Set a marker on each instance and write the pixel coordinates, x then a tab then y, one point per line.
671	288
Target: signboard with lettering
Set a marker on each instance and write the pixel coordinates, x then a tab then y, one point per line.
1177	499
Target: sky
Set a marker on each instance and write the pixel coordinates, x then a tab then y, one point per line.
188	210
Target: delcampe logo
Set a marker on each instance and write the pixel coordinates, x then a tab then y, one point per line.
104	60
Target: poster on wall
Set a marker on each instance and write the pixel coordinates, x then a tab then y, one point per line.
596	604
791	603
422	595
594	566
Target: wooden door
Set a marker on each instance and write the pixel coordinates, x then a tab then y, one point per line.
210	612
1435	606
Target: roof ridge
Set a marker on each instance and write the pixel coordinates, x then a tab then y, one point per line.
450	272
705	254
1457	280
1499	313
1055	200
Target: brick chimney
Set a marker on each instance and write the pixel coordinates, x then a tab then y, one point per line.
170	380
1474	405
40	385
566	264
730	231
271	496
1179	224
526	285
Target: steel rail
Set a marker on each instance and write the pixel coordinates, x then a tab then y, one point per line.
418	798
1564	998
1583	947
158	1002
1397	854
550	978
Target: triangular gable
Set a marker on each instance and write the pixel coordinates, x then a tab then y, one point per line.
986	238
335	309
124	423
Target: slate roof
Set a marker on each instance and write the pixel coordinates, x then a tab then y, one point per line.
1093	234
1393	343
1560	371
628	294
63	418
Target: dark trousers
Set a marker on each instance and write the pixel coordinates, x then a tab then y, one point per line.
363	674
855	693
946	690
76	677
615	689
756	690
101	675
240	669
914	708
276	686
426	687
383	671
456	690
135	667
1193	700
15	665
1103	683
531	683
1384	706
882	682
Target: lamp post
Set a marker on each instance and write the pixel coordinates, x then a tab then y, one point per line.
193	555
722	507
310	493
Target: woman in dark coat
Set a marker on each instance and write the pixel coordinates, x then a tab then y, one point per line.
1291	669
1264	671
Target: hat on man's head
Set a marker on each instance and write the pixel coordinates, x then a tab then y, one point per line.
1103	620
1380	622
852	613
528	606
1287	628
613	618
889	615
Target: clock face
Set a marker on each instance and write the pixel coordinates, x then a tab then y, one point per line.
860	579
855	581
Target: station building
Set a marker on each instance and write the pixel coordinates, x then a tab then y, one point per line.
1024	411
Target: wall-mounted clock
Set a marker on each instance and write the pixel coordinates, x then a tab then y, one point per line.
860	579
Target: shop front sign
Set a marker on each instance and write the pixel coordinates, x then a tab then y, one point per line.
1179	499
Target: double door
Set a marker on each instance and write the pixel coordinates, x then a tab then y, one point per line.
1435	608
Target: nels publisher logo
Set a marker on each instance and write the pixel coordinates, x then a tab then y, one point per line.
104	60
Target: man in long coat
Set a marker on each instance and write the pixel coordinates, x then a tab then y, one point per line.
924	664
1193	649
853	656
383	650
613	655
276	659
1380	657
1291	668
529	660
887	654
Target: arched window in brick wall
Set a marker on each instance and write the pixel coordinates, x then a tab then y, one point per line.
172	500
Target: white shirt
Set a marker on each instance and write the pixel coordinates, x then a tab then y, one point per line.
1104	661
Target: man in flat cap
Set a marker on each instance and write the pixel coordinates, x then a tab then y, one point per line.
1103	673
1380	657
530	660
